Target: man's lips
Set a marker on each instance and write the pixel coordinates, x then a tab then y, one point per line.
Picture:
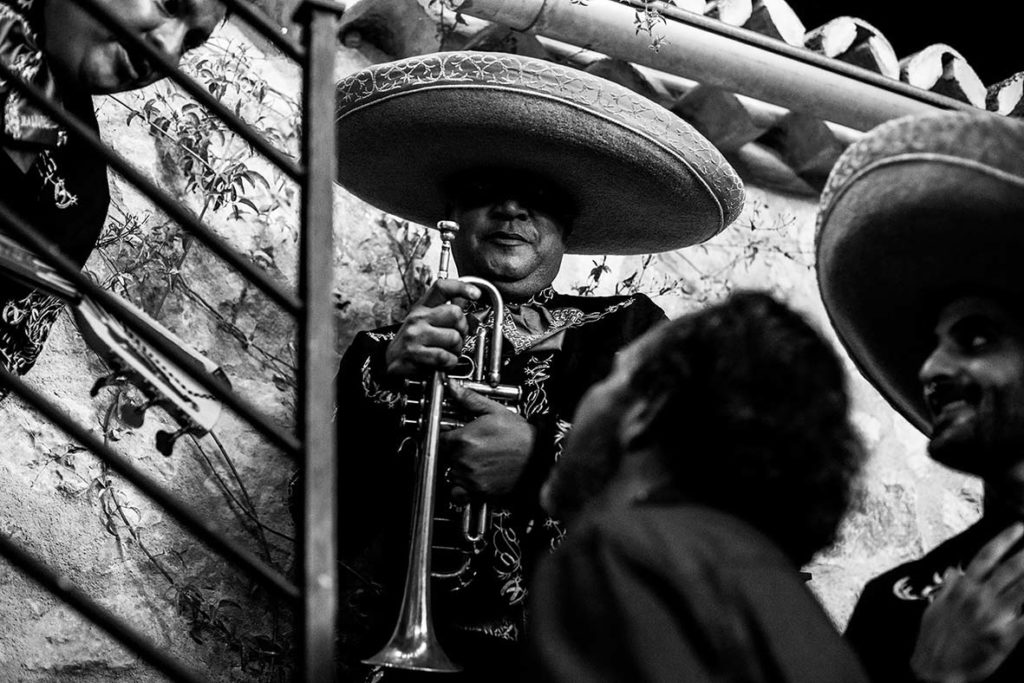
950	411
947	400
507	237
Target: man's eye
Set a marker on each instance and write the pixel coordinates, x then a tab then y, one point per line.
194	39
476	193
975	340
172	7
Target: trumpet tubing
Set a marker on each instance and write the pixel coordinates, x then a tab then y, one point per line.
414	645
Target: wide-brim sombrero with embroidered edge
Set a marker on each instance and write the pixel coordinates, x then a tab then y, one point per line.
641	178
921	210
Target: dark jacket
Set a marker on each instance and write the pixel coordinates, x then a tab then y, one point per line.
64	195
675	591
885	622
376	477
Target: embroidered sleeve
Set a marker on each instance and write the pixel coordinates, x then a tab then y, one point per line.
561	431
373	384
24	326
368	441
546	449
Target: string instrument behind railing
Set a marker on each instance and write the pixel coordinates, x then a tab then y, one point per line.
164	383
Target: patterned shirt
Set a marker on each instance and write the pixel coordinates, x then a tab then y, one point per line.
556	347
63	194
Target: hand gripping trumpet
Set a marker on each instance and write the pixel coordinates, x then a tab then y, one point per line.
414	644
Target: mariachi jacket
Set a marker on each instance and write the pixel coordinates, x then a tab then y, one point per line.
556	347
885	622
64	194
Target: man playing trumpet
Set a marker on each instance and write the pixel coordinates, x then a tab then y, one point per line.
532	161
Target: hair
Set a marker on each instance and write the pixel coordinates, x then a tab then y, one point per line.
753	418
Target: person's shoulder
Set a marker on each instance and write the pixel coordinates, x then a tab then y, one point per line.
597	303
917	579
630	314
910	577
683	533
377	334
365	341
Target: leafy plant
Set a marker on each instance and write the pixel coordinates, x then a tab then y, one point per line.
449	17
409	244
142	257
706	272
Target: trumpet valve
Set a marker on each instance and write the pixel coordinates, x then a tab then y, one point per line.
505	393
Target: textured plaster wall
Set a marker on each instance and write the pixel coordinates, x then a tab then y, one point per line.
85	521
60	503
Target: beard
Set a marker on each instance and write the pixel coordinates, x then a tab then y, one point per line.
984	442
580	475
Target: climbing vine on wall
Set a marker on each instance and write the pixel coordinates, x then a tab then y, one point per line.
142	257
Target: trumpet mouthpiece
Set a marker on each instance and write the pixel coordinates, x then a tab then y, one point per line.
447	229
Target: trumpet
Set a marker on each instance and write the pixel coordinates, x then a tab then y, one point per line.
414	644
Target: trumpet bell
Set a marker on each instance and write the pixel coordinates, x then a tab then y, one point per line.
415	650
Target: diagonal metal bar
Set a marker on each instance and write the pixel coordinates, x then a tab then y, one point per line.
192	521
49	252
60	586
161	199
246	10
316	345
168	67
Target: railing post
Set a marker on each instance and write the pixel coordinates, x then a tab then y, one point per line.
317	343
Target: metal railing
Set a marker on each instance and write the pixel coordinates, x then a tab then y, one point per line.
313	444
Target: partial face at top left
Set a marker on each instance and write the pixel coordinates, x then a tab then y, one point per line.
86	57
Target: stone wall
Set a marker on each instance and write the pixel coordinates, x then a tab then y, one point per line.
66	507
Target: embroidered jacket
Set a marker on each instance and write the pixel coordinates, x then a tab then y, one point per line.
884	625
556	346
64	193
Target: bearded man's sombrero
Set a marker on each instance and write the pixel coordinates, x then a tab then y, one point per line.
919	211
641	179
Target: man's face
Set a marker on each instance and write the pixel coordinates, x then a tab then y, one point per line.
86	57
973	385
594	448
511	233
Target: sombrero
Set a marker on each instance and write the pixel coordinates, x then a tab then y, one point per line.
919	211
641	178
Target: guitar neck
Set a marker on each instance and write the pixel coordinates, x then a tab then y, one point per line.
158	377
26	267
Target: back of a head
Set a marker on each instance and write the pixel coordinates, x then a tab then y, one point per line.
754	418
